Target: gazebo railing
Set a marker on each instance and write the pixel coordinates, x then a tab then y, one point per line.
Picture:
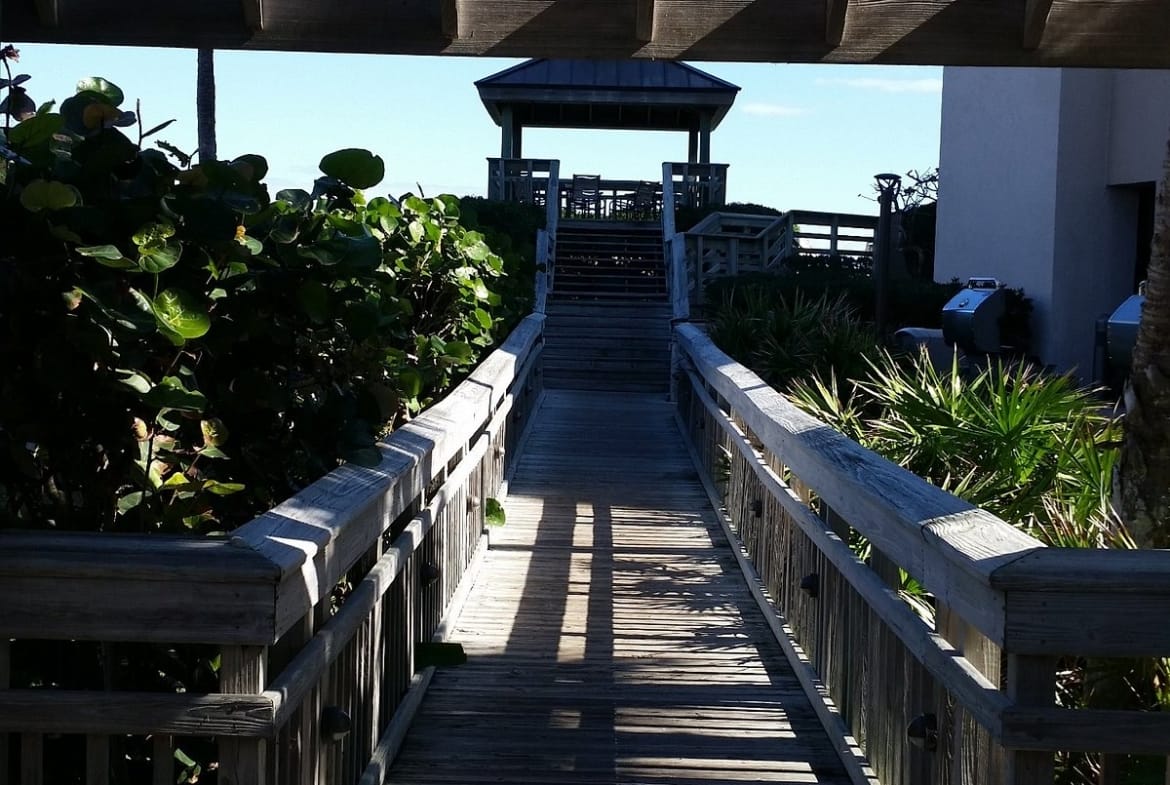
524	180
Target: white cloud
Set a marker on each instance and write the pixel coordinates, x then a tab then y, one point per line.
887	85
774	110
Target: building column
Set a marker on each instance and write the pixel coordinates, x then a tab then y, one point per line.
517	139
693	146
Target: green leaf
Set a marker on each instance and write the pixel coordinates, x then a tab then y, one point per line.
48	195
35	131
158	259
484	318
481	291
253	245
494	513
108	255
134	380
171	393
106	89
153	234
214	452
294	196
355	167
416	231
411	381
223	488
439	655
477	252
182	313
416	205
461	352
129	502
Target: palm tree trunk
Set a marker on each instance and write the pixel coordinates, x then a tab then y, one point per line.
205	103
1145	461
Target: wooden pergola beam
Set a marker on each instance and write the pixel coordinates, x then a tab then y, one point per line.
449	18
49	13
1035	20
645	21
835	21
254	14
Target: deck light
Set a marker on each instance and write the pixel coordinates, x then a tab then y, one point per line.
923	732
335	723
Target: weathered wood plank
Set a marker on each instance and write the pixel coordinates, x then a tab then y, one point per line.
92	712
243	669
609	637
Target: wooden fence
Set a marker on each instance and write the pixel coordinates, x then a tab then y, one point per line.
965	695
725	244
314	610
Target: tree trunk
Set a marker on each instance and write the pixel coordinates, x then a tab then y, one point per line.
205	103
1145	460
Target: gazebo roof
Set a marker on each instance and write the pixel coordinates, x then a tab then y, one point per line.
630	94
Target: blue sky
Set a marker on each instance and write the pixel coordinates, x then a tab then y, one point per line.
799	136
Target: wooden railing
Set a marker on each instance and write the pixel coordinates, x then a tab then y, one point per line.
524	180
963	690
695	185
615	200
314	610
724	244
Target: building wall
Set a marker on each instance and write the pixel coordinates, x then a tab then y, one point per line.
997	189
1036	165
1140	116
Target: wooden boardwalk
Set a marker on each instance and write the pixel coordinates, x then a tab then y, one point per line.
610	635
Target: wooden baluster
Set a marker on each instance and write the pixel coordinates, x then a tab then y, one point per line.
97	759
32	759
1031	682
162	763
242	671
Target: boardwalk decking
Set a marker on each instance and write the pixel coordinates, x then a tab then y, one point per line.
610	636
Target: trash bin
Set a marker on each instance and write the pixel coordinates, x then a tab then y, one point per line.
970	319
1121	332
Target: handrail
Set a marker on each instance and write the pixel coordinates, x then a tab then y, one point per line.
270	585
1006	606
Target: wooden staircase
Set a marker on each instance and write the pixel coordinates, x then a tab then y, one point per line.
608	314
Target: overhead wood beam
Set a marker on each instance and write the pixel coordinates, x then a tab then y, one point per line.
1035	20
254	14
835	21
645	21
49	13
449	18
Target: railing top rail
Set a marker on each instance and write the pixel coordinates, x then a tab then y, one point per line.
819	218
966	556
250	587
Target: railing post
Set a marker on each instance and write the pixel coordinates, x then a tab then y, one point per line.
834	227
668	200
680	280
541	275
242	671
1031	682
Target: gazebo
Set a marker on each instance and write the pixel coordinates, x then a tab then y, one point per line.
639	95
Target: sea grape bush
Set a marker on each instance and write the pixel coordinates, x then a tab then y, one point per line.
182	350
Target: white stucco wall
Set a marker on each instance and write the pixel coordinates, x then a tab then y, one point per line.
1140	120
997	184
1028	158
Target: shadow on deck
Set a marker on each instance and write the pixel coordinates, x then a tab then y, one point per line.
610	635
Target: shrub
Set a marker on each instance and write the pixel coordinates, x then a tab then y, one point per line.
788	338
509	228
912	302
182	351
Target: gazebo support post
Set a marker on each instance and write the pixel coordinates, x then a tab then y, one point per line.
506	132
705	138
693	146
